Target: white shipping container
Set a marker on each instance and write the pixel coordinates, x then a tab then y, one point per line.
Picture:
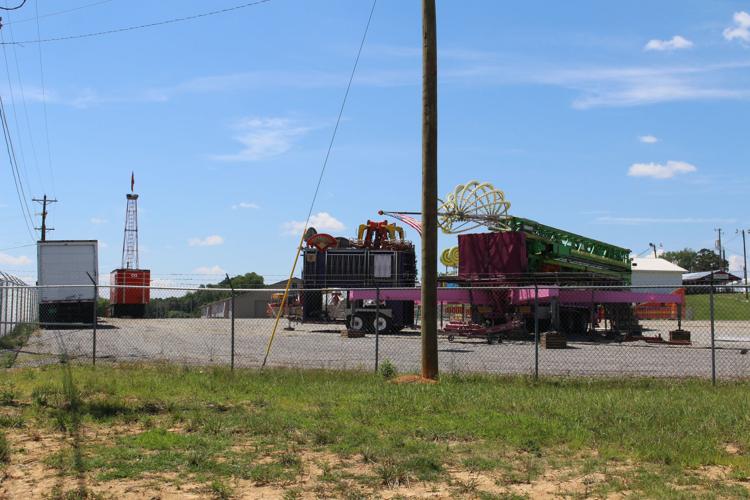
67	262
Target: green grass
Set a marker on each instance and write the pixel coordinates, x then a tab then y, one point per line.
727	306
12	341
192	421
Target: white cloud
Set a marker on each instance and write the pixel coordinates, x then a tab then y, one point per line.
263	138
659	171
648	139
245	204
209	270
736	263
677	42
208	241
9	260
98	220
322	222
741	28
637	221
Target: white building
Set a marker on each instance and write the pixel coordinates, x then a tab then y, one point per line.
656	272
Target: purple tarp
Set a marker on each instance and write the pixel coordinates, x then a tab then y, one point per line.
486	255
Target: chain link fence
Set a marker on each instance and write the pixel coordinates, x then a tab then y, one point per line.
534	330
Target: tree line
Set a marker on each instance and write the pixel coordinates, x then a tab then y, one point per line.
697	261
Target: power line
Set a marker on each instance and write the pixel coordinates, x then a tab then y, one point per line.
19	246
140	26
59	12
320	180
27	218
15	114
26	115
44	101
341	112
14	8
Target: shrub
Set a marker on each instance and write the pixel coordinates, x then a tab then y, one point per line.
387	370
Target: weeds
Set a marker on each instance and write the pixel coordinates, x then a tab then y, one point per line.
4	449
221	490
207	424
387	369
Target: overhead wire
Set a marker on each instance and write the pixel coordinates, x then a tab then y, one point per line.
14	8
44	102
15	115
26	115
59	12
17	247
320	180
173	20
28	219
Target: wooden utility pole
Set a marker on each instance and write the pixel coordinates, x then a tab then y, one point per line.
429	191
44	201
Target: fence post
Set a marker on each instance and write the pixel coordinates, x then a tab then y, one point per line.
713	330
12	309
377	330
231	313
96	318
536	331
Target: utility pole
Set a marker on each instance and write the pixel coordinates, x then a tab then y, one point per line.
429	191
718	248
44	201
744	256
653	245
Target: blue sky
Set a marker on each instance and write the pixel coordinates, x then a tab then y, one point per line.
626	122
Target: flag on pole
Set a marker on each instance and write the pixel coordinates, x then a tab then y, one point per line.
132	181
410	221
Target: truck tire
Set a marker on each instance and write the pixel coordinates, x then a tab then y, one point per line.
382	324
356	323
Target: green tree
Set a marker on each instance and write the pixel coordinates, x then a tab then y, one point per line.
684	258
189	305
708	260
702	260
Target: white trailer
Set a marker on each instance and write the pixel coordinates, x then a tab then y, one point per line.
66	291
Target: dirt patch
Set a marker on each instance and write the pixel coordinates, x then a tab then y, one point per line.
322	475
413	379
733	449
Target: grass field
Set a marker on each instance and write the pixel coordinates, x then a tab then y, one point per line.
727	306
83	432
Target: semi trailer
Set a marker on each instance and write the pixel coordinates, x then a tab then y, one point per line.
66	273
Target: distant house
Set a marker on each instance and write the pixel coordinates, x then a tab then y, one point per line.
659	273
703	278
247	304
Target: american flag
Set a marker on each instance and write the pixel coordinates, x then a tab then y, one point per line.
410	221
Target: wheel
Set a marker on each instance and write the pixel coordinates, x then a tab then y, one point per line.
382	324
356	323
451	338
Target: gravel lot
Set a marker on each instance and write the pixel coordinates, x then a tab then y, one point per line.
207	341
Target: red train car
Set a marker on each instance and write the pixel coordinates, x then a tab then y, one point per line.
126	297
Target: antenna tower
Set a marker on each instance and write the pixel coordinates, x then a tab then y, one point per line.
130	239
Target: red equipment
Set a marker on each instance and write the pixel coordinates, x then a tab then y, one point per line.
124	298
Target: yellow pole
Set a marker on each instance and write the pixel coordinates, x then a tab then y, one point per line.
283	299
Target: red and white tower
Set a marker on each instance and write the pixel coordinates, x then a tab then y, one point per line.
129	293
